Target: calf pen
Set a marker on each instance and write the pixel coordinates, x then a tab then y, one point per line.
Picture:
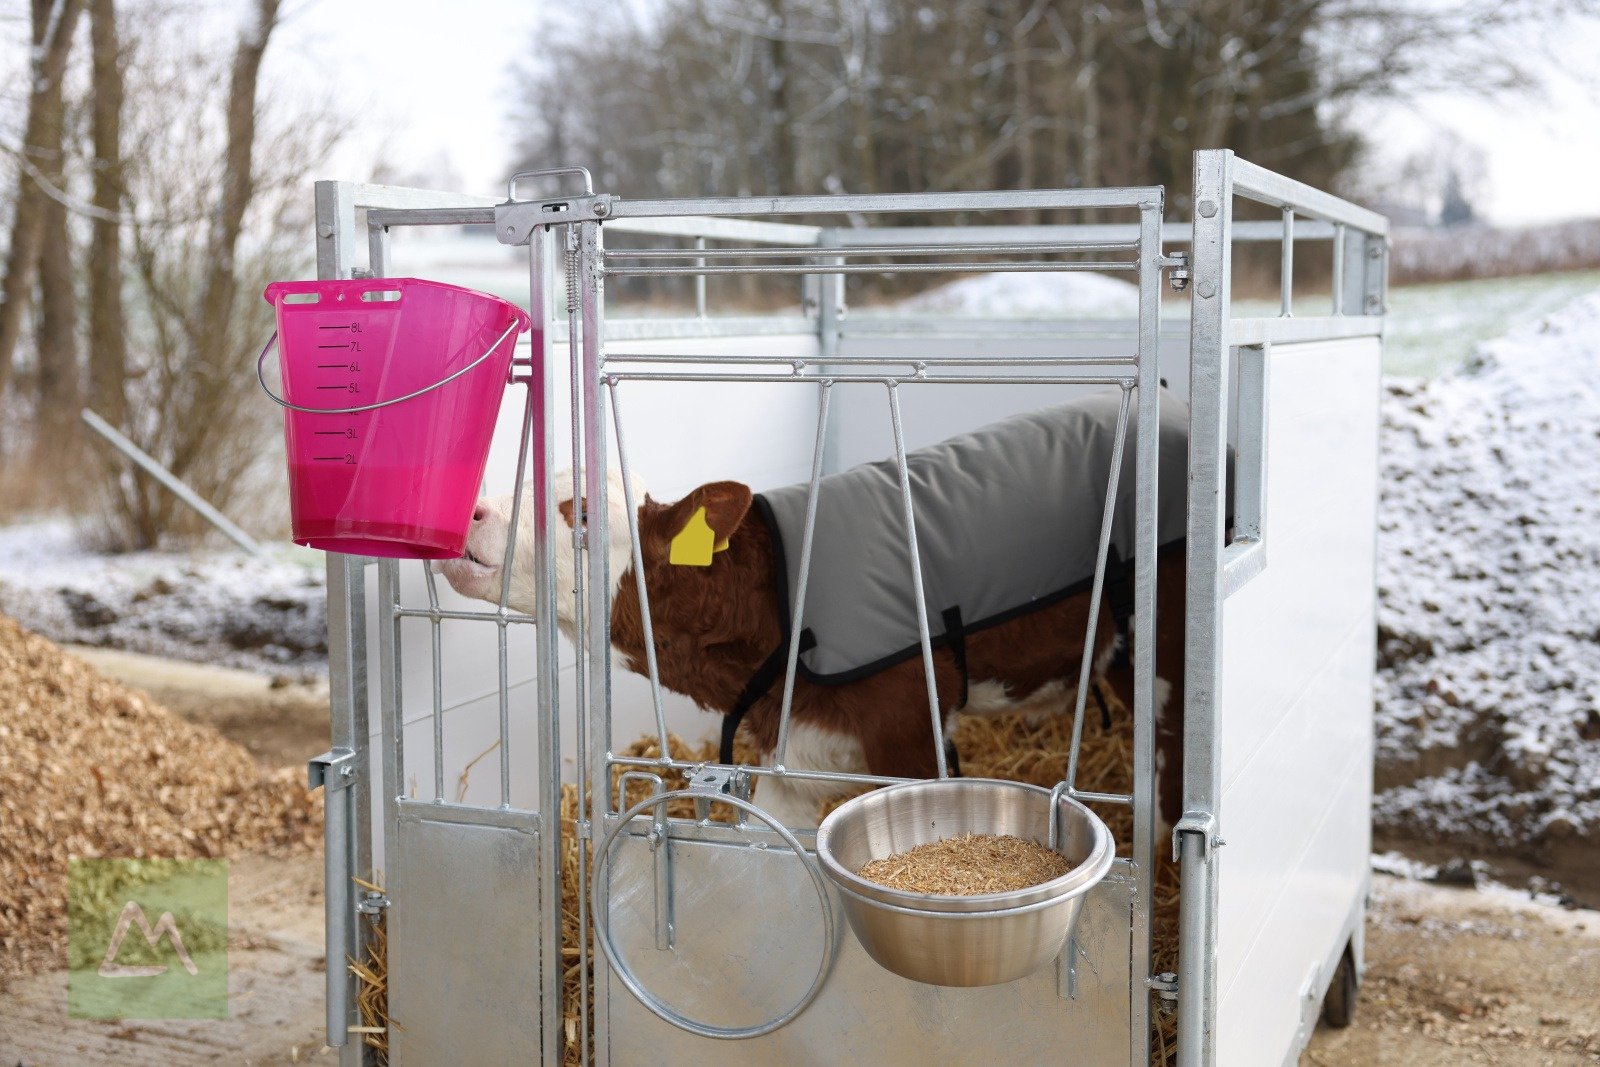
454	794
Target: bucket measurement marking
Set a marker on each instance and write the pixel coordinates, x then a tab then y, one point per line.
353	327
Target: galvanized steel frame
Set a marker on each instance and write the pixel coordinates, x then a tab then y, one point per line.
1359	244
1216	569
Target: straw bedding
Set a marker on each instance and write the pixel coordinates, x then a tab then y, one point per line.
1009	747
90	768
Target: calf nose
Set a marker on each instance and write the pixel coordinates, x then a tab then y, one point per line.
479	513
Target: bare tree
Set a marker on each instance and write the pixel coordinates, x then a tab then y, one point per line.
108	344
39	168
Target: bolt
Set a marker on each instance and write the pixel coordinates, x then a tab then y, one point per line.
600	208
1206	290
1375	250
1208	208
325	230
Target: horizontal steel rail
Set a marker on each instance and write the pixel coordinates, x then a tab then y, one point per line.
876	379
799	365
1058	266
1317	328
1267	187
1171	233
897	203
989	248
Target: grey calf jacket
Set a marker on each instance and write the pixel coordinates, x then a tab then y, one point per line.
1008	521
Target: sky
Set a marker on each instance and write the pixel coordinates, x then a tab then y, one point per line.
430	84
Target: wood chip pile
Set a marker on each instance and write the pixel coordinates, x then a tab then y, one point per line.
90	768
968	865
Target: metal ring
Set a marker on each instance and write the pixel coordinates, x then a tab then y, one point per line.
261	376
602	926
583	172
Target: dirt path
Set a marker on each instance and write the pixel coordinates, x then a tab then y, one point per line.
280	725
275	986
1459	976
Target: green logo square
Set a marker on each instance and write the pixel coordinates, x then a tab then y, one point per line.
147	939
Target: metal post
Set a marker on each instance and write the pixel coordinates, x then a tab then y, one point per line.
1208	442
347	674
1147	451
546	527
1286	270
591	288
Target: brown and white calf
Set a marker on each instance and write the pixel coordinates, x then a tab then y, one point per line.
715	625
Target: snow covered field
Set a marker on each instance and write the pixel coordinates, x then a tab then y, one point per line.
1489	580
221	606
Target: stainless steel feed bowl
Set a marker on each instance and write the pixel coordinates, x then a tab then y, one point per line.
950	940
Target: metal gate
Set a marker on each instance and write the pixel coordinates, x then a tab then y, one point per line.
717	928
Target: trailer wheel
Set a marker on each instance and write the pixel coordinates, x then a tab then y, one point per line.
1339	1006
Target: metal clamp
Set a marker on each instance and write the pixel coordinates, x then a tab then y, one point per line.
602	923
1202	823
261	376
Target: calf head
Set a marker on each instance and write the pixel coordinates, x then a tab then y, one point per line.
681	542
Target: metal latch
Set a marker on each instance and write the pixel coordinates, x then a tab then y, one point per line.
335	769
711	782
1179	278
1202	823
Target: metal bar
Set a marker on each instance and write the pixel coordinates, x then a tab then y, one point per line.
866	203
700	252
1147	451
700	281
919	595
998	267
639	584
1320	328
1171	233
438	685
1208	441
717	229
882	379
1107	514
171	481
547	651
347	665
1286	267
591	290
333	771
952	328
444	811
792	660
1266	187
758	771
1089	796
1338	269
470	616
798	365
524	440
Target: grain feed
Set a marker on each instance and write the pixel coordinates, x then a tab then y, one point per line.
968	865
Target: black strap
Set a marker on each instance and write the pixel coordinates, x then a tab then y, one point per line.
1119	595
757	687
956	634
1105	709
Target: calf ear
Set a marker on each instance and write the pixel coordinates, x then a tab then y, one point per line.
701	523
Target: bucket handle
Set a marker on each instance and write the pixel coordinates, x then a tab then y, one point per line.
261	376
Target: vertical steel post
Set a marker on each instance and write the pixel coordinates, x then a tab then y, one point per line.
591	288
1211	249
347	681
1286	268
830	312
546	528
1147	452
1338	268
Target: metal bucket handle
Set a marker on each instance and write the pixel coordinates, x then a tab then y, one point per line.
261	376
602	925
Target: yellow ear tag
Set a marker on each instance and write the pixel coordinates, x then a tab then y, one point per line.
694	544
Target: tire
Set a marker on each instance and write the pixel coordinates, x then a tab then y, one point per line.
1339	1005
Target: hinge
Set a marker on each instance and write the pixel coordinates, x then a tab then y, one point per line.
372	903
714	781
1164	986
1202	823
1178	262
335	769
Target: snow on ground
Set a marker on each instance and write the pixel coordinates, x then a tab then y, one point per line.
1489	580
1029	294
223	607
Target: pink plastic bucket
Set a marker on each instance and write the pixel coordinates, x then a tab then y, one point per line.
391	389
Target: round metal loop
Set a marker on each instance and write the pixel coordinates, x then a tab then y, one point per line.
261	376
602	925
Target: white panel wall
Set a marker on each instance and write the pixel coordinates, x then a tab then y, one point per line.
1296	702
678	437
